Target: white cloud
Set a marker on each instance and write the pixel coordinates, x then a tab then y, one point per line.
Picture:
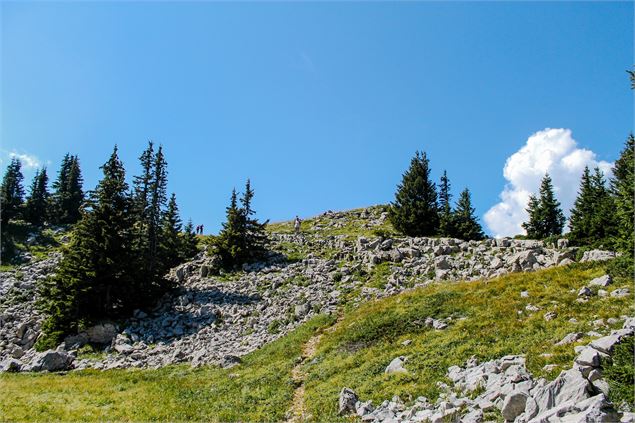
28	161
549	150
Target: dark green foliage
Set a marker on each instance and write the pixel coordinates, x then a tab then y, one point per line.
171	242
155	253
593	219
620	374
545	215
189	242
446	217
415	211
11	192
68	194
242	238
95	279
623	191
466	224
622	266
36	207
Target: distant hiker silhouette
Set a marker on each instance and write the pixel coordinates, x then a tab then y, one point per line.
296	225
201	229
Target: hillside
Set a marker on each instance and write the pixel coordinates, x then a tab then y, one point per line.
331	308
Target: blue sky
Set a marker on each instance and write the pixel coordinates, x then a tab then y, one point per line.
322	105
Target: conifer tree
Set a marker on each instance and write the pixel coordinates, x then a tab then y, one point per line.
545	215
170	240
75	193
157	197
11	192
256	240
623	191
189	242
465	221
592	219
446	217
230	242
68	194
415	211
95	277
36	206
533	226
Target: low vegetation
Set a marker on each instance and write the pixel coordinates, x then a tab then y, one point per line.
489	319
259	389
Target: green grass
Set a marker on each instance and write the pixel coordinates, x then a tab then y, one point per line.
260	389
485	322
352	227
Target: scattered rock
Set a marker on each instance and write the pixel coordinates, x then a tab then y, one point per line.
396	366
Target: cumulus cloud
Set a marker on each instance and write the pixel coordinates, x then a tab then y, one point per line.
28	161
550	150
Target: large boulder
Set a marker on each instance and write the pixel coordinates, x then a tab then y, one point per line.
514	405
597	255
347	401
10	365
396	366
50	361
103	333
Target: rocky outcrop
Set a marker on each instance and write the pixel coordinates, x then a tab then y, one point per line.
576	395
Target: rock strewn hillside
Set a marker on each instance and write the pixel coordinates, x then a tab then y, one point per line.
215	319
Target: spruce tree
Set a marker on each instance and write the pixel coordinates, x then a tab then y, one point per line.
415	211
170	239
95	277
230	242
36	207
11	193
157	197
446	217
68	195
465	221
592	219
623	191
256	240
75	193
533	226
189	242
545	215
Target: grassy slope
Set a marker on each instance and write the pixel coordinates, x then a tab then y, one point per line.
323	225
45	242
260	389
365	341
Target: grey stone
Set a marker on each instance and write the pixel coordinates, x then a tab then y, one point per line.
514	405
604	281
620	293
347	401
396	366
50	361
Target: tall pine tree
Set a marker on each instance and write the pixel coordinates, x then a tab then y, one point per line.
545	215
230	242
11	193
592	219
623	191
446	217
36	207
465	221
415	211
68	194
189	242
95	277
170	240
256	240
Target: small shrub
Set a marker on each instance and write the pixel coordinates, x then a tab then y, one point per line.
274	327
622	266
620	375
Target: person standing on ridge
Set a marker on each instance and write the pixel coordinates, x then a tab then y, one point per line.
296	224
